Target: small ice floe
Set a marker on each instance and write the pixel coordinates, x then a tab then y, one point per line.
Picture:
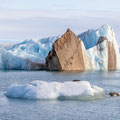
71	90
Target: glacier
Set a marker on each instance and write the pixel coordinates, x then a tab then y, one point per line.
56	90
29	54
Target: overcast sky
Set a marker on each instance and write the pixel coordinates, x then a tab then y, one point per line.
26	19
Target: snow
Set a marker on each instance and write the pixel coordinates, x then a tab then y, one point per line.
56	90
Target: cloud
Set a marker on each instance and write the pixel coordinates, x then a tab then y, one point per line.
27	24
68	14
61	4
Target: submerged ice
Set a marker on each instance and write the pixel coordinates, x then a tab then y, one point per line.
56	90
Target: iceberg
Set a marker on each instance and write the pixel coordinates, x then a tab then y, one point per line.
27	55
100	51
34	50
90	37
102	48
56	90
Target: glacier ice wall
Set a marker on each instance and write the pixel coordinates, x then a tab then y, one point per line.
56	90
35	50
26	53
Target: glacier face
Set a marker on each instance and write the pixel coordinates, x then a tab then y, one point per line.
56	90
26	53
35	50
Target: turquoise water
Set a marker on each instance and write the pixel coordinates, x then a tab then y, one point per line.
22	109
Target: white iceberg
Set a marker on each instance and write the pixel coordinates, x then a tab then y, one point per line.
90	37
56	90
99	53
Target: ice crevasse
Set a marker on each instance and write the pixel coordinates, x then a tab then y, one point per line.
56	90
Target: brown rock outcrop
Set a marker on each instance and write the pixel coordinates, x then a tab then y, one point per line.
112	60
68	53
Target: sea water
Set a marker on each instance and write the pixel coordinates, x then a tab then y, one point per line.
24	109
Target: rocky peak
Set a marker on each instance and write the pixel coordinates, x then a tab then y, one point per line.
69	30
68	53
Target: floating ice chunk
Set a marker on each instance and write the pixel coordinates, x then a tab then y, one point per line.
56	90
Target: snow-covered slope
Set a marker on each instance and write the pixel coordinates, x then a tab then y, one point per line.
55	90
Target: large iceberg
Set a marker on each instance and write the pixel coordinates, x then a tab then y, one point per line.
56	90
101	46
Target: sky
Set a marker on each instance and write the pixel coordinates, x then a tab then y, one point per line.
34	19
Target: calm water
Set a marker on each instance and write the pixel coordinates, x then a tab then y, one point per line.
21	109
